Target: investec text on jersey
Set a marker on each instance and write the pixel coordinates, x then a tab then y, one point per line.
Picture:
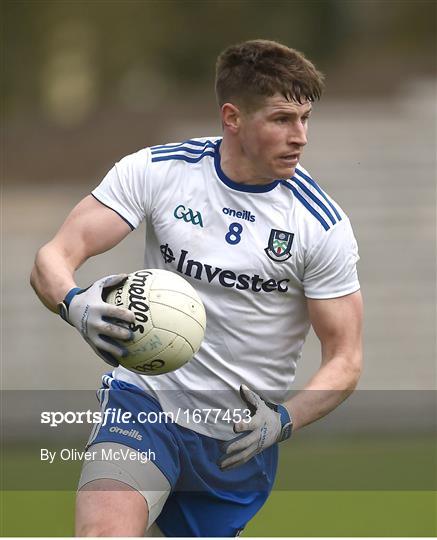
226	278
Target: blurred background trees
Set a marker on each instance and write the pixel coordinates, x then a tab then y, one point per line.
115	73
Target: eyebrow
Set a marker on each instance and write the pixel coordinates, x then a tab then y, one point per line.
292	113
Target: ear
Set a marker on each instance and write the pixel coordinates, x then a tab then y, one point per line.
231	117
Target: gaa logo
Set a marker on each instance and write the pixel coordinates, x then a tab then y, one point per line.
180	212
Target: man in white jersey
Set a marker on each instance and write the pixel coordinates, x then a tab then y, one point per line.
270	254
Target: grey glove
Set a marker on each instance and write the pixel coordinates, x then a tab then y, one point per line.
99	323
269	424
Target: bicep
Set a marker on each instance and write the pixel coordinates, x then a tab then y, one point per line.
337	323
91	228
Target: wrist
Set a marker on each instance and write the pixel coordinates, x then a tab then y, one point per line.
65	304
286	423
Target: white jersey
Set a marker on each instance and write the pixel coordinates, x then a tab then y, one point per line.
254	253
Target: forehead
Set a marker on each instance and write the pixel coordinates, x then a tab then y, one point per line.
279	103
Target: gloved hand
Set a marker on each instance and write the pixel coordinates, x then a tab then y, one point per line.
99	323
269	424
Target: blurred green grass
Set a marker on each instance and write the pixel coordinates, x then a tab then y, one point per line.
286	513
346	513
367	485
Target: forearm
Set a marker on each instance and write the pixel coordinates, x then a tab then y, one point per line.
52	275
329	387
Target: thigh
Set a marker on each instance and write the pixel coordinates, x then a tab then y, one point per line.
132	418
141	457
110	508
113	473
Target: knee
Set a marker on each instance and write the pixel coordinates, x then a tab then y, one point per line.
101	511
96	529
99	529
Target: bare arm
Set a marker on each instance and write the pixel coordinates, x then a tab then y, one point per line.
91	228
338	325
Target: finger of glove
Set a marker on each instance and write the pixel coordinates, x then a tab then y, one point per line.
104	355
115	329
237	459
110	281
111	346
241	427
224	445
239	444
252	400
108	358
114	312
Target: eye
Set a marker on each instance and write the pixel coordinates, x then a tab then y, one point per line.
282	120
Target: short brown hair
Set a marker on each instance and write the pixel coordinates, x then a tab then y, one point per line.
249	72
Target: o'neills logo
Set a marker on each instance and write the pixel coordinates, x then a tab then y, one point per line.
225	278
240	214
136	298
134	433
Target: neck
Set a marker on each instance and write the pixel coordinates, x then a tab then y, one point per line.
237	166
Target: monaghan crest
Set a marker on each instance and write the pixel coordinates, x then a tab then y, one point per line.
279	245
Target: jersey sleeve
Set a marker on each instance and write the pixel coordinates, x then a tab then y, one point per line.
124	188
330	270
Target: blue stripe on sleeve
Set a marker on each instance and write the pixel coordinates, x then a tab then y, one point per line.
312	210
176	146
182	157
315	199
180	149
317	187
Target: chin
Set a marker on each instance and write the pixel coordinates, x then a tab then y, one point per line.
283	174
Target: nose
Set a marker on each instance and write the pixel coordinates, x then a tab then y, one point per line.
298	134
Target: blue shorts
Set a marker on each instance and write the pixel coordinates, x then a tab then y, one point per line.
204	500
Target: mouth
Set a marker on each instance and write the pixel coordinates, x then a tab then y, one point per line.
290	159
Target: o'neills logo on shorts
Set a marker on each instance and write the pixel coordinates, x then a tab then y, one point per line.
225	278
134	433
